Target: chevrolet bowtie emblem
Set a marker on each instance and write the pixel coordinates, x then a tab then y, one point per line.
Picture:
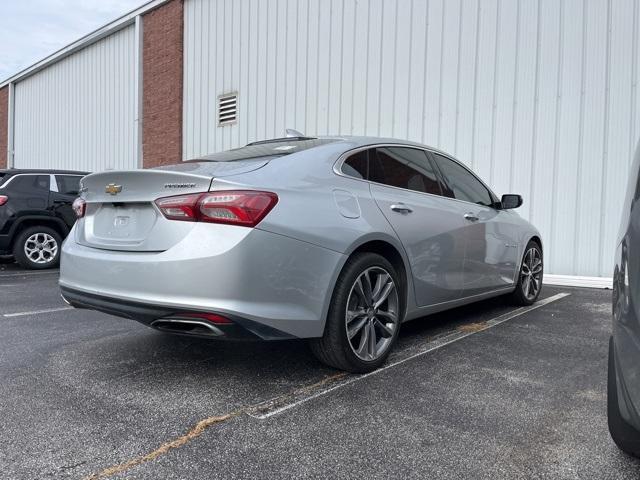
113	189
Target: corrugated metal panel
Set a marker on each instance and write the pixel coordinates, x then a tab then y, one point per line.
538	96
79	113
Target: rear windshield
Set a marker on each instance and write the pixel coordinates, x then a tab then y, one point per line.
270	149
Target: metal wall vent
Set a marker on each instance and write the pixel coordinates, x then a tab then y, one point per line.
227	109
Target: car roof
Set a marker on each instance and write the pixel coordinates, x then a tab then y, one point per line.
354	140
357	141
16	171
300	146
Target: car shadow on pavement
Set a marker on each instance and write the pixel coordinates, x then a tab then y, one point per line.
138	359
152	354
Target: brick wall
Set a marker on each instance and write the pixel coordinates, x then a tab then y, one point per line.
4	108
162	85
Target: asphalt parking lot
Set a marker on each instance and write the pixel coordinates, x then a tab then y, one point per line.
485	391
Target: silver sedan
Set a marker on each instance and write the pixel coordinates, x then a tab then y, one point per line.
335	239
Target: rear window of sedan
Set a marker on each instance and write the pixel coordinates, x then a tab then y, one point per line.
267	148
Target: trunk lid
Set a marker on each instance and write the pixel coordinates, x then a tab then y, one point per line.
121	214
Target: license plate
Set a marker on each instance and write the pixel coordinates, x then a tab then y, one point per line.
124	222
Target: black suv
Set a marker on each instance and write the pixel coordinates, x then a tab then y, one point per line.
36	214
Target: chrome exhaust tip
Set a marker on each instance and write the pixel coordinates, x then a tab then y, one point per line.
181	326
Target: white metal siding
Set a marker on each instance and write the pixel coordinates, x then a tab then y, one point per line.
539	97
79	112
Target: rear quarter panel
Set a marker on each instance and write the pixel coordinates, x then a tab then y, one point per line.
317	206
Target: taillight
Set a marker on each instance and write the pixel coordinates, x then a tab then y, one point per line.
181	207
79	207
233	207
3	199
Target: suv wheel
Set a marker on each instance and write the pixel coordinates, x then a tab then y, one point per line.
364	317
37	248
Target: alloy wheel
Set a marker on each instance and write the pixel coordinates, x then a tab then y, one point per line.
41	248
372	316
531	273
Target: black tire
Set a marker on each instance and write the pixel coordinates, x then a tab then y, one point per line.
334	347
624	435
518	297
6	259
25	261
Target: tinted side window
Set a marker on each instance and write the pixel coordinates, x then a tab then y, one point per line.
356	165
29	191
402	167
461	184
68	184
30	183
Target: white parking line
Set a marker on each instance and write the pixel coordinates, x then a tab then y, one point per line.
36	312
274	407
28	274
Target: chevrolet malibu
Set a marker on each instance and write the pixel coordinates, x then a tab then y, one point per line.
335	240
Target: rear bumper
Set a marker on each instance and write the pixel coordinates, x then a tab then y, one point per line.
256	278
153	315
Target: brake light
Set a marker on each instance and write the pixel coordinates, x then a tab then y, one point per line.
79	207
3	199
233	207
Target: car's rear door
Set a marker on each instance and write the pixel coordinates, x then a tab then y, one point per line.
491	257
408	192
27	195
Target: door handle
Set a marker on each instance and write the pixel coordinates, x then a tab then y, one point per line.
472	217
401	208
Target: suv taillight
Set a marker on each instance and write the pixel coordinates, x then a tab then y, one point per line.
232	207
79	207
3	199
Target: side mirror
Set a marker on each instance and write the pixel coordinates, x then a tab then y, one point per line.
511	200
